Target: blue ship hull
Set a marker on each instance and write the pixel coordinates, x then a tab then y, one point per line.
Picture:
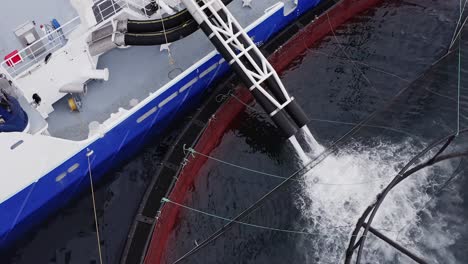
28	208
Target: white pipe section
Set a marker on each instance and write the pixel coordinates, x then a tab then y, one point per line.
73	88
96	74
314	145
101	46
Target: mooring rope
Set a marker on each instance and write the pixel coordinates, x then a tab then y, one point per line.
253	109
90	152
360	63
231	93
309	166
349	57
167	200
238	222
169	53
459	77
193	151
458	33
455	34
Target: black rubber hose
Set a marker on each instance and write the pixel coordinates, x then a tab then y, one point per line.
155	25
280	119
293	109
158	38
143	26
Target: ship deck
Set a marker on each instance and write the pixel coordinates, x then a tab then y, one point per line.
134	72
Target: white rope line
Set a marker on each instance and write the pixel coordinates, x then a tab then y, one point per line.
94	206
171	59
361	63
458	33
193	151
167	200
334	121
239	222
349	58
374	126
441	95
459	70
454	36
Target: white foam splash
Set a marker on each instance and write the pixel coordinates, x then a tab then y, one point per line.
315	147
331	198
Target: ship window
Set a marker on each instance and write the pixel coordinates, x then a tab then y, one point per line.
73	168
205	72
167	100
60	177
187	85
16	144
147	114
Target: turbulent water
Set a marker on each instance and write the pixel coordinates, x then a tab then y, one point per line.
353	72
339	82
355	175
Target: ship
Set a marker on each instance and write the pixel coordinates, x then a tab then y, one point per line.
86	84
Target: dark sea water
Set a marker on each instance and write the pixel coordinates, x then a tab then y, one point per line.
339	82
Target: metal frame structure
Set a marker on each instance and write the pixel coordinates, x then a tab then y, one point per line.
357	240
239	45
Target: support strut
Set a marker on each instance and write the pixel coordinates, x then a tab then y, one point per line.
396	245
238	49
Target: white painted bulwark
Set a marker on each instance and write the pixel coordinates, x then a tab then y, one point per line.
32	159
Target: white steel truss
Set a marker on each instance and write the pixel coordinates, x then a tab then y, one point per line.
231	34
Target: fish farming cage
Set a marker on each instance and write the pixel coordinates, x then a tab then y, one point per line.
427	108
163	183
437	97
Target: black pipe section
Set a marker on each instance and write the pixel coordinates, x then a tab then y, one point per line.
161	31
158	38
173	33
155	25
280	119
396	245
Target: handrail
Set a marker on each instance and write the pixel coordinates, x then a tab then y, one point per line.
56	39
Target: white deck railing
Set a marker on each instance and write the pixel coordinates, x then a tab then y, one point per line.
30	55
56	39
